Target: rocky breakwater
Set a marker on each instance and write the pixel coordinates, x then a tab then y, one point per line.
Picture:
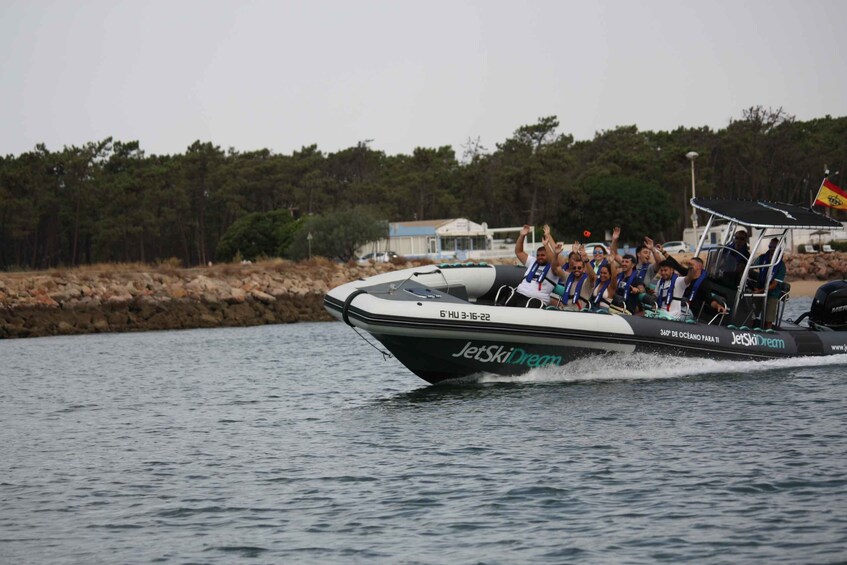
816	266
121	298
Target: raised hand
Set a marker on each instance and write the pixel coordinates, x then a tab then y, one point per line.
525	230
616	233
648	242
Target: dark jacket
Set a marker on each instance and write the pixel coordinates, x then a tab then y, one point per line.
701	304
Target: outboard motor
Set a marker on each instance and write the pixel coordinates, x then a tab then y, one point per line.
829	308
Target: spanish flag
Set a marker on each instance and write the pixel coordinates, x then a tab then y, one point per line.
831	196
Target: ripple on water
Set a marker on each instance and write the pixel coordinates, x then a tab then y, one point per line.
294	443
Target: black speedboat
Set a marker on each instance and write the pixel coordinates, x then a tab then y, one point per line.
441	321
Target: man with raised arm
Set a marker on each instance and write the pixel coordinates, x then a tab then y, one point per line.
538	282
575	280
700	293
630	282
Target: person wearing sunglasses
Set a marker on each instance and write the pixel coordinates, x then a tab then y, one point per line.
599	259
605	287
575	281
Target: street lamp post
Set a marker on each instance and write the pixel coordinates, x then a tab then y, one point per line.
691	155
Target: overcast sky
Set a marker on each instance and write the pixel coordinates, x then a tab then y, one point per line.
281	74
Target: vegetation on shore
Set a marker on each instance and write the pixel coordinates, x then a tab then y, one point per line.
109	201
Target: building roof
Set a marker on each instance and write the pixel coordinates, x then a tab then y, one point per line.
423	223
453	227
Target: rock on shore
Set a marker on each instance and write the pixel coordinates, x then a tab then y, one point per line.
818	266
118	298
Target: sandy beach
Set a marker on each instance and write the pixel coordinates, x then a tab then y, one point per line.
805	288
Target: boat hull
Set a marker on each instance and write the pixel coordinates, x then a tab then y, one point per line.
439	336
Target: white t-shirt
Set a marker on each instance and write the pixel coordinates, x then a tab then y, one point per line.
675	306
542	283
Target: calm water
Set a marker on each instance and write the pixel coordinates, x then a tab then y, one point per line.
300	444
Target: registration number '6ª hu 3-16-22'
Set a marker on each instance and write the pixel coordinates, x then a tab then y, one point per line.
475	316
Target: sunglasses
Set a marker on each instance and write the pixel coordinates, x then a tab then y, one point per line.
599	253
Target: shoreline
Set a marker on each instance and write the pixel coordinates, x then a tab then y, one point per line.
137	297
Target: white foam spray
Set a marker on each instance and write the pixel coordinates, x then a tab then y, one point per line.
644	366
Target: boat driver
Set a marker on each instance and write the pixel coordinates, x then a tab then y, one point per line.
538	281
734	258
773	284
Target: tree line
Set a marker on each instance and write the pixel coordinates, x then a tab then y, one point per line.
109	201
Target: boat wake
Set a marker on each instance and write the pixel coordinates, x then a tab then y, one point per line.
643	366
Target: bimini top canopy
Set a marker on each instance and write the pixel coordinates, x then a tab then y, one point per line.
763	214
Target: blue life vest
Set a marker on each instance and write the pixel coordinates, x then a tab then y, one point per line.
596	266
533	272
629	281
603	286
575	296
696	286
665	294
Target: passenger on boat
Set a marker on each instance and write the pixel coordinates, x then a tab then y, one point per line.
629	286
605	287
644	264
599	259
574	288
701	293
573	256
538	282
773	284
643	259
670	290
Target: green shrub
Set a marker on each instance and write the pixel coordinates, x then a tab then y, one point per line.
261	234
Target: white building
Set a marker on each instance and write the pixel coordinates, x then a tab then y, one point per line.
457	238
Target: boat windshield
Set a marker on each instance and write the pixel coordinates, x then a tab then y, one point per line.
726	265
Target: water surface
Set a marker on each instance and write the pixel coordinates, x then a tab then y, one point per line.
299	442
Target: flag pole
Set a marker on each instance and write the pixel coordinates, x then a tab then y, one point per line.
815	199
